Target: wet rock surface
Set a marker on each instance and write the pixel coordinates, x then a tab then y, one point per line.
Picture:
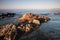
26	24
4	15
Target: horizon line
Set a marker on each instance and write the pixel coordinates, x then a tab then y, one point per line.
34	9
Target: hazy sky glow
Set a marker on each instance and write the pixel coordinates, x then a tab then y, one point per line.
29	4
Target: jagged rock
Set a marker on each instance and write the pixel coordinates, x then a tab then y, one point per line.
30	17
33	20
8	31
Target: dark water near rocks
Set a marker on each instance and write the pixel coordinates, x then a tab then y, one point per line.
47	31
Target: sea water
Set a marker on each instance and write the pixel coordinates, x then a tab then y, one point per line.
51	29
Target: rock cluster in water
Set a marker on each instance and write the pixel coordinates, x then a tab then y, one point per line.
3	15
56	13
26	24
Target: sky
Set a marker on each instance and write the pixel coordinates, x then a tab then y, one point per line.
29	4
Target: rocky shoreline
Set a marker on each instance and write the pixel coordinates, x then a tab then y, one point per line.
27	23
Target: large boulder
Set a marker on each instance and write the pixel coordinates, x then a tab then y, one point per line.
33	20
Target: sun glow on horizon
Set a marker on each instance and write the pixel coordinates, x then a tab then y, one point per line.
30	4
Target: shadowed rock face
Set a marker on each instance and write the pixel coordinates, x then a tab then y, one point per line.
7	15
26	24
